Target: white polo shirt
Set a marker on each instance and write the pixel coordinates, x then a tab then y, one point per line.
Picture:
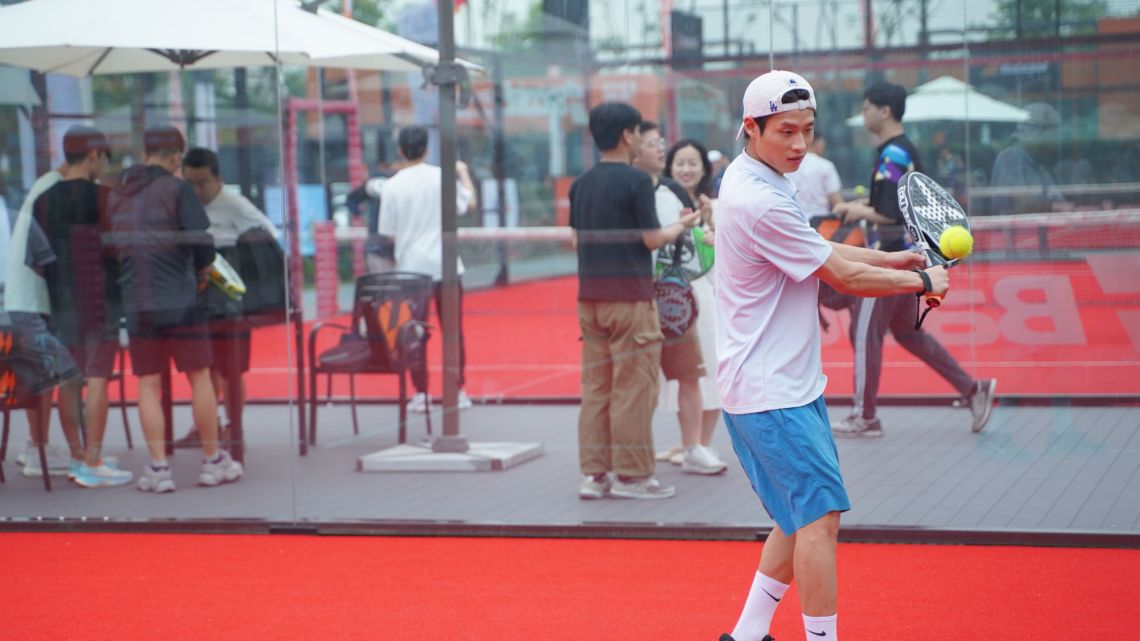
767	330
815	180
411	210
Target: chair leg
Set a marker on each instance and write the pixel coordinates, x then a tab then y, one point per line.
352	402
403	403
39	433
123	397
312	407
4	441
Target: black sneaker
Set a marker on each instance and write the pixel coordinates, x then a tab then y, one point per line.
191	440
981	403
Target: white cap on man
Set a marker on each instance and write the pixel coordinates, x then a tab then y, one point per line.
765	95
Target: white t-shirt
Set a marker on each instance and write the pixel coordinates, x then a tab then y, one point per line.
668	208
24	289
816	179
767	333
411	209
231	215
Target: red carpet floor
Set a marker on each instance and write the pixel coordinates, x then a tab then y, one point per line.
173	587
522	342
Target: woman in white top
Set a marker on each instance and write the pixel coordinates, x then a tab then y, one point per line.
687	163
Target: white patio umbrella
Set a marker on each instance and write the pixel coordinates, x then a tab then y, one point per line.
83	37
947	98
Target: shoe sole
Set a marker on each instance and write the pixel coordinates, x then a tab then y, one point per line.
635	496
212	481
38	472
989	409
704	471
161	488
878	434
102	483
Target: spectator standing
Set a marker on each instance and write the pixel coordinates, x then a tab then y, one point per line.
613	215
410	215
688	163
159	232
83	293
231	215
817	181
25	292
683	358
884	104
1022	167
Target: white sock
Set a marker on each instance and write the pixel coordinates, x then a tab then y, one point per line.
756	616
820	628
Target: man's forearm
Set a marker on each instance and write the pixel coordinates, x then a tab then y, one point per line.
861	254
870	281
658	238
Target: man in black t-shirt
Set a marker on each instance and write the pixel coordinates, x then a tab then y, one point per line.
883	106
613	214
83	294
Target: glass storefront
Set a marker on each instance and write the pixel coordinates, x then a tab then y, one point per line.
1027	116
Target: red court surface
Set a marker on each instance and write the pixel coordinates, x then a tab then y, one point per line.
1042	328
176	586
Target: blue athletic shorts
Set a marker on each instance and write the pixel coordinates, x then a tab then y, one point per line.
790	458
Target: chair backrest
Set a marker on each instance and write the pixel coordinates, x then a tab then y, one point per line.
383	303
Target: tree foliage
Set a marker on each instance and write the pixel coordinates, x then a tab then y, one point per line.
1039	18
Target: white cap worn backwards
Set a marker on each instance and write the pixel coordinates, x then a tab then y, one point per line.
765	95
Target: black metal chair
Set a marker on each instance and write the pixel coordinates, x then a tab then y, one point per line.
388	335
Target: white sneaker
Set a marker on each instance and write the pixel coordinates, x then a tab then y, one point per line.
58	461
157	481
701	460
592	487
225	470
668	454
418	403
464	401
102	476
981	400
647	488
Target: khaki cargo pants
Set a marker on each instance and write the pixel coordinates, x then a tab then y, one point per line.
621	361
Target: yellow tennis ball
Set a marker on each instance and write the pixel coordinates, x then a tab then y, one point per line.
956	242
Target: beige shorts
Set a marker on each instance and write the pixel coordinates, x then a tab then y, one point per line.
681	357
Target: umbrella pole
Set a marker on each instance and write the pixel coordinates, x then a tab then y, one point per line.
448	75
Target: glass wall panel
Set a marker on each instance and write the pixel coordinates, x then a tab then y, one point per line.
1024	110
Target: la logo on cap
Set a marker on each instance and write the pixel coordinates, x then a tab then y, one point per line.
773	107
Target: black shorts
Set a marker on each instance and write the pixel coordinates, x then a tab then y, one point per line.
32	359
154	344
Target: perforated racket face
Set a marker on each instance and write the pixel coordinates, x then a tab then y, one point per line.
929	210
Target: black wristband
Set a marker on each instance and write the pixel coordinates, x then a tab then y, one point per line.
927	286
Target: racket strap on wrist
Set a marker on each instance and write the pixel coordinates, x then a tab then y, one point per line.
927	287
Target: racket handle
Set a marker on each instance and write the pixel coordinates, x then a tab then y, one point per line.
933	301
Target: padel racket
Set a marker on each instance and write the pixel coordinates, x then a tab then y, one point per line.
225	277
696	255
929	210
676	306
